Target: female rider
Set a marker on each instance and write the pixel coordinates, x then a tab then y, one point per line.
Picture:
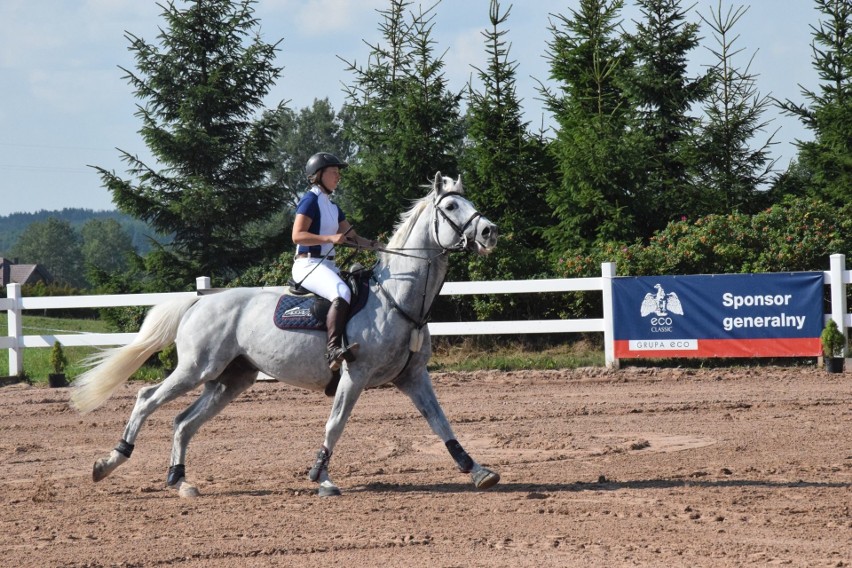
319	225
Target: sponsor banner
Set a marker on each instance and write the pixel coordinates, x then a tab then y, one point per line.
726	315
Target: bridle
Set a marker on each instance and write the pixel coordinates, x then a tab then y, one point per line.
461	245
443	250
460	231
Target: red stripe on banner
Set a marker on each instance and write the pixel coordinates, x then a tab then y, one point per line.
707	348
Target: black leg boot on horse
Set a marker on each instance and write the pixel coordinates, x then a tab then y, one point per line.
338	313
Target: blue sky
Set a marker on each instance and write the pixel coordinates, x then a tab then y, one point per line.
65	104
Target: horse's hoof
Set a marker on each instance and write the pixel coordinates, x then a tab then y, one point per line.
105	466
187	490
102	469
484	478
99	471
327	489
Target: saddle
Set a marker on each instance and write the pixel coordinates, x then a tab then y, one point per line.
302	309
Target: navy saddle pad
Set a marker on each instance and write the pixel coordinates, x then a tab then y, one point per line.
294	312
299	312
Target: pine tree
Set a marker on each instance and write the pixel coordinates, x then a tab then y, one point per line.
203	90
732	173
505	172
664	94
828	158
405	124
595	199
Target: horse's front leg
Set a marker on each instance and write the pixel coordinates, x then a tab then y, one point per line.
344	401
417	385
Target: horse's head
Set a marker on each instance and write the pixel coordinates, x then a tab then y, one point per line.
457	223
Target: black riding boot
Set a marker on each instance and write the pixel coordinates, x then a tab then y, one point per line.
336	323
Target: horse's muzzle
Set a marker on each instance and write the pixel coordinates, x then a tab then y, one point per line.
486	237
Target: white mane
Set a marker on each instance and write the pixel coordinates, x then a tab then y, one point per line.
409	218
407	221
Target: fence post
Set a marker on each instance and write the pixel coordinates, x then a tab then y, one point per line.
202	283
607	274
16	330
838	292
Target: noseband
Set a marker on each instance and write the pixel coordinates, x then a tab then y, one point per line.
460	231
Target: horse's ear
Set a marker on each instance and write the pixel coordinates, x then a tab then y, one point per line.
459	187
438	183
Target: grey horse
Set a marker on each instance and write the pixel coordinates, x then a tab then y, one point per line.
224	340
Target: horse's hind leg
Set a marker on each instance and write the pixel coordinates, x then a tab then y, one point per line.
217	394
149	399
105	466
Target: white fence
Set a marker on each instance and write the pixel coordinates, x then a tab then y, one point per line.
838	277
15	303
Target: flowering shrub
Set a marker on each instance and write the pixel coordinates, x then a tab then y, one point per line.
796	235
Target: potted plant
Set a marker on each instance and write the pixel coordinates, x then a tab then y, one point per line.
58	362
833	346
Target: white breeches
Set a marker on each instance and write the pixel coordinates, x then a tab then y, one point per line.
322	277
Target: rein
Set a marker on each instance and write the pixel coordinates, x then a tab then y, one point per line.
460	231
424	317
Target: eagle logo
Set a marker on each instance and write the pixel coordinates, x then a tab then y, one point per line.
661	303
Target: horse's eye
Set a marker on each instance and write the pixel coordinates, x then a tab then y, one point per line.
451	206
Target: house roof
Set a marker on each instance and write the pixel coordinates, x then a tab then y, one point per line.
13	273
26	274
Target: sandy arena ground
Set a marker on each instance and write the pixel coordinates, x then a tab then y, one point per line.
640	467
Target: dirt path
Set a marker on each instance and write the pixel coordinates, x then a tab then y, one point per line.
642	467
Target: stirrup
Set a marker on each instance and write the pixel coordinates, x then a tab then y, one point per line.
337	355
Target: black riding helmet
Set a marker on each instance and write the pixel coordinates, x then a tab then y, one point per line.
320	161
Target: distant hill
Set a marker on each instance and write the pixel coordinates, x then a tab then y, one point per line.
11	226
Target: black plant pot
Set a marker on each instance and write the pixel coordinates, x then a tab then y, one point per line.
57	380
834	364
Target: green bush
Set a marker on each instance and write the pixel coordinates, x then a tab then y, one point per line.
168	357
833	341
58	360
276	273
797	235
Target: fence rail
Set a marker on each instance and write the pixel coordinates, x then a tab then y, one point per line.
15	304
837	278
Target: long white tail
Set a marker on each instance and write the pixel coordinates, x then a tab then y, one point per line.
112	367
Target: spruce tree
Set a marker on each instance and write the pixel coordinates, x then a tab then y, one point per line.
663	93
202	118
505	171
828	158
595	199
405	123
731	172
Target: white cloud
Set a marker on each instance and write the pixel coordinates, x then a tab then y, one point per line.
318	18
